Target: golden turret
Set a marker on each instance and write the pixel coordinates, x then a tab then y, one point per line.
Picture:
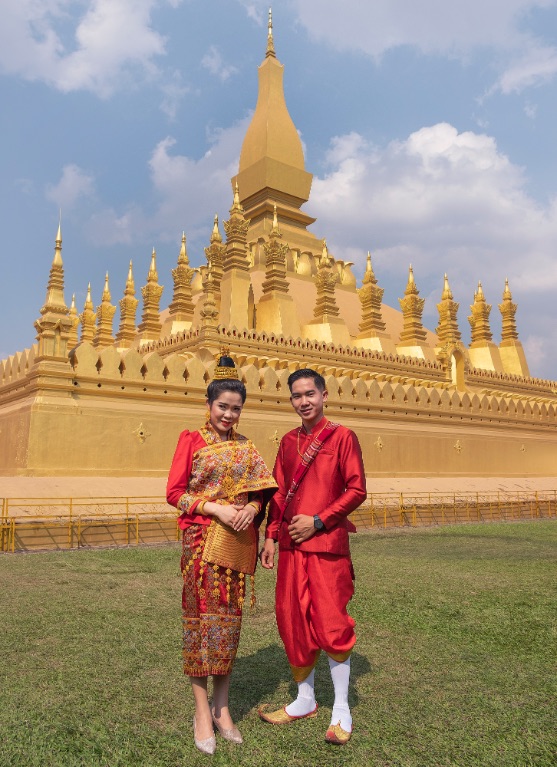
88	317
74	316
412	306
128	308
236	229
512	353
447	329
371	296
508	312
209	312
215	255
181	307
105	316
275	261
54	325
479	319
150	327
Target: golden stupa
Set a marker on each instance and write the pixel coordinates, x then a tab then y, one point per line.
85	400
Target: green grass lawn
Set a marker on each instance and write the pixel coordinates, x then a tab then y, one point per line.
455	662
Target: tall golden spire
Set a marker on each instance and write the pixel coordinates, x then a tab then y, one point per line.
413	333
128	308
447	329
54	301
181	307
270	43
88	317
105	316
371	296
272	158
54	325
479	319
150	326
508	311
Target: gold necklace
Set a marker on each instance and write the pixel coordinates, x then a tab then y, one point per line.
298	437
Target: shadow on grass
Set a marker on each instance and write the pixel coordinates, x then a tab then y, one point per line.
257	678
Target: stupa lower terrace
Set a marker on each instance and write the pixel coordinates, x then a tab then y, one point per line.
92	399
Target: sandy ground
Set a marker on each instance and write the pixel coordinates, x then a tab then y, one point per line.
141	487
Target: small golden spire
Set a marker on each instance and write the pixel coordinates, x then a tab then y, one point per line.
507	291
183	255
413	333
128	307
216	235
88	318
270	42
130	285
479	319
447	329
325	260
371	297
105	317
106	292
150	326
74	317
275	218
153	276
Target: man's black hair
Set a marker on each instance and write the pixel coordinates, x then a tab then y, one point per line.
318	379
216	388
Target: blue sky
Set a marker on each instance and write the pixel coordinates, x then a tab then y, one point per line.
429	127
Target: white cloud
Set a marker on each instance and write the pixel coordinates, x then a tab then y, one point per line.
188	191
443	200
173	91
109	42
499	27
539	65
213	61
74	183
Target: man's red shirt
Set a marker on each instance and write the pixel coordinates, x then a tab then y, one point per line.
333	487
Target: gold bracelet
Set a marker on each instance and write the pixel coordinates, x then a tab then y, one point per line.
256	505
200	507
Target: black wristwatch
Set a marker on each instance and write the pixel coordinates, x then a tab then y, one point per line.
318	523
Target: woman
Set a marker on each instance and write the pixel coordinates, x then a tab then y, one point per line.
217	481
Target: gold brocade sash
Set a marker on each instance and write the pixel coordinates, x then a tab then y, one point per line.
233	468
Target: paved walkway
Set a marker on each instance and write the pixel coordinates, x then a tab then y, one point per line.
140	487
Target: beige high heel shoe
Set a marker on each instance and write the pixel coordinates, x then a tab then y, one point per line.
232	734
206	746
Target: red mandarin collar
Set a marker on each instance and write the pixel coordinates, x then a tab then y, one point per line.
315	430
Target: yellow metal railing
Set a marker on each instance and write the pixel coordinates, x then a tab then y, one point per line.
70	523
420	509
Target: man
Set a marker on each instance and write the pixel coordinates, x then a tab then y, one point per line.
320	477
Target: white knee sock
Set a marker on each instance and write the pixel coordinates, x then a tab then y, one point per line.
305	702
340	674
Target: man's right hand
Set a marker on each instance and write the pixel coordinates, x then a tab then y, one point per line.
267	555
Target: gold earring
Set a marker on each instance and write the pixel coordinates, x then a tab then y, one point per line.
208	416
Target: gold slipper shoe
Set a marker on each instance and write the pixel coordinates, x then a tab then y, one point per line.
335	734
280	716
